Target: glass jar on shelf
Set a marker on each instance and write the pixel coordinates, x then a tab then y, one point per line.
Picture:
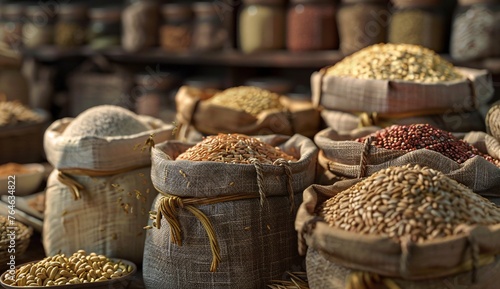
153	95
419	22
176	30
12	25
475	30
209	30
140	24
105	27
362	23
38	29
71	26
311	25
262	25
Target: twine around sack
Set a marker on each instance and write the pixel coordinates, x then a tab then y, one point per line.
65	176
169	203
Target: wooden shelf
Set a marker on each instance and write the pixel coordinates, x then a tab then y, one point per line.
225	58
233	58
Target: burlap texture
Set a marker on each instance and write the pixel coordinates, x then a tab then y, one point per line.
101	153
341	156
323	274
257	244
98	221
493	120
384	256
397	97
299	117
453	122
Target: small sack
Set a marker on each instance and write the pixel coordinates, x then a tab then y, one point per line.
336	257
192	109
99	195
392	97
221	220
452	122
341	156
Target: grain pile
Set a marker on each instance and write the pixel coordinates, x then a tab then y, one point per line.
61	270
252	100
424	136
105	120
14	112
235	149
408	201
12	169
6	226
396	62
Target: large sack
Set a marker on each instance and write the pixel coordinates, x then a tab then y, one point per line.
341	156
393	97
193	110
99	194
333	254
217	214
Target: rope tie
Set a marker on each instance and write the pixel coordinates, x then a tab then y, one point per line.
260	179
289	184
365	280
168	210
74	186
364	156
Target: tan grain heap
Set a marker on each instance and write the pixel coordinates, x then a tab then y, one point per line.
234	148
252	100
408	201
14	112
396	62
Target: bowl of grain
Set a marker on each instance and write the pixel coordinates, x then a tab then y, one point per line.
62	272
21	179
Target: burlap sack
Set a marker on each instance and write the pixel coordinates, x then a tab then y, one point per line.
217	214
323	274
451	259
100	192
341	156
401	98
192	109
452	122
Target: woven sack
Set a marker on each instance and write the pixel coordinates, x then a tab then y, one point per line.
493	120
245	210
400	99
97	82
335	256
341	156
192	109
452	122
100	192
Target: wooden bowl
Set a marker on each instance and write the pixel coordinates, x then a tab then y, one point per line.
117	283
26	183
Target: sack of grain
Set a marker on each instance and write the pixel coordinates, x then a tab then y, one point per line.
452	122
403	227
396	79
364	151
226	225
247	110
100	192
